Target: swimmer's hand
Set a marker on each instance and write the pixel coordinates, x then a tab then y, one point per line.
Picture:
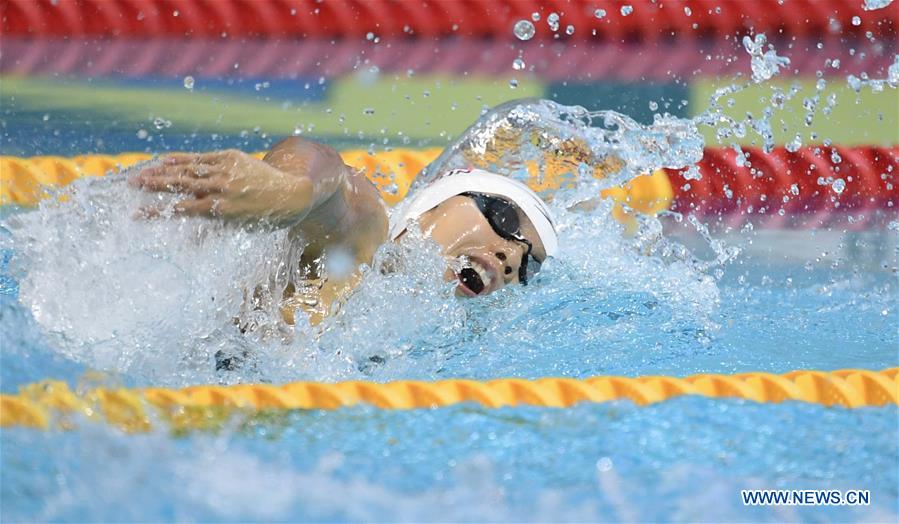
229	184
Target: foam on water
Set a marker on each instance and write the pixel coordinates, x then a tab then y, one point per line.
146	298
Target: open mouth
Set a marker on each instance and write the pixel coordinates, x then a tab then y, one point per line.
474	277
470	279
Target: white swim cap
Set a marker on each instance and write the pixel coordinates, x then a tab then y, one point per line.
474	180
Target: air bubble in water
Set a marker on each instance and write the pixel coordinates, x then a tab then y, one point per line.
524	30
599	13
160	122
626	10
513	83
838	186
142	134
856	21
189	82
569	30
369	36
688	11
368	111
518	64
535	16
653	105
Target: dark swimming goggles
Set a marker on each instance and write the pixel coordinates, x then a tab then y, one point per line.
502	216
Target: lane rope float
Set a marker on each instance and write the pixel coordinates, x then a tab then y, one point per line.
780	188
25	181
53	404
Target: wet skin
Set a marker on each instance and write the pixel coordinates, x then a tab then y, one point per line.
306	187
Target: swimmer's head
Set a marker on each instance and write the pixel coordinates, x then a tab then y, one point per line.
494	230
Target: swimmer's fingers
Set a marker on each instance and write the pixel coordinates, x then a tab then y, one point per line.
213	158
180	183
186	170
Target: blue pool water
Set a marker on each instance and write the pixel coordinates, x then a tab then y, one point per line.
609	311
84	287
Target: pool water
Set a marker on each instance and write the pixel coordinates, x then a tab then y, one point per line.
607	307
94	297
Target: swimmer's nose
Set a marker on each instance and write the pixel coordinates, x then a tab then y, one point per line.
510	257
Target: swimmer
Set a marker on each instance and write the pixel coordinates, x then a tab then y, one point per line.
493	231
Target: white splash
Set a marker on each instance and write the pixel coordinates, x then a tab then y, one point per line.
157	300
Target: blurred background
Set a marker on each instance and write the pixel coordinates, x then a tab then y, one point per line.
108	76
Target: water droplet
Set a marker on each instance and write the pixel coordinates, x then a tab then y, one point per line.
142	134
524	30
835	156
368	111
369	36
871	5
553	21
46	117
535	16
189	82
518	64
765	63
599	13
856	21
838	186
688	11
159	122
513	83
569	30
653	105
794	188
626	10
175	13
893	71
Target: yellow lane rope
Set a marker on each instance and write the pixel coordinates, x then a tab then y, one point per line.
44	404
26	181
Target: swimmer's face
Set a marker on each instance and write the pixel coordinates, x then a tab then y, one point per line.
488	261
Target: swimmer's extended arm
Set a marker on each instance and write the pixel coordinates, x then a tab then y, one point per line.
299	184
